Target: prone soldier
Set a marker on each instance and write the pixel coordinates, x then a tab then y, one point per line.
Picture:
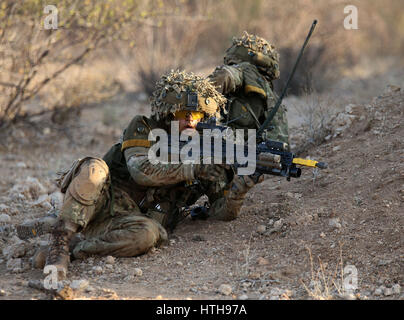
122	203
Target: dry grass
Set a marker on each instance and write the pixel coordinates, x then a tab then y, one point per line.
324	283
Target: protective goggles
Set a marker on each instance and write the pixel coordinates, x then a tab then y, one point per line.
183	114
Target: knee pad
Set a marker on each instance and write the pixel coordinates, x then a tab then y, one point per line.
89	180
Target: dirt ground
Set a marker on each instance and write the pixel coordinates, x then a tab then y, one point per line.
292	240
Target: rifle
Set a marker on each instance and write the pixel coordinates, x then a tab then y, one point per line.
271	158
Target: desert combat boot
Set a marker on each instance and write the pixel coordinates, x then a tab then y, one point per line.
58	254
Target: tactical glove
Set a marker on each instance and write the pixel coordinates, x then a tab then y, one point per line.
241	184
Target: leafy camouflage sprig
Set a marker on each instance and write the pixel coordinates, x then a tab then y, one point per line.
179	82
257	44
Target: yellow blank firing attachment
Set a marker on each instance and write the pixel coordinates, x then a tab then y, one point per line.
310	163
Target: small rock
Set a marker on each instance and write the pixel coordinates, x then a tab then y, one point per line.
44	243
262	261
179	263
109	260
298	196
97	270
205	288
243	297
42	201
271	222
289	293
225	289
21	165
4	208
349	296
392	88
4	218
388	292
334	222
379	291
14	265
290	195
138	272
396	289
79	284
261	229
336	148
2	293
384	262
16	250
278	224
22	283
276	292
89	289
56	199
30	188
128	278
322	235
198	237
246	285
348	108
66	293
255	275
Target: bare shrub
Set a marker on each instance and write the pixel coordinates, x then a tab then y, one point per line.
315	111
34	57
167	41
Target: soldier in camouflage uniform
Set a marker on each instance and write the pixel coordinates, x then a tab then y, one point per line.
122	203
250	66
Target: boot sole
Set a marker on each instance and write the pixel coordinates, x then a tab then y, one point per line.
27	232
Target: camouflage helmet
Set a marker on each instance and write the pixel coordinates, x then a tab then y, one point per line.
256	50
178	90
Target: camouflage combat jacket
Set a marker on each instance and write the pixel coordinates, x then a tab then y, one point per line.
250	99
158	189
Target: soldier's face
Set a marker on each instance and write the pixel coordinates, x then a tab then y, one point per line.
189	120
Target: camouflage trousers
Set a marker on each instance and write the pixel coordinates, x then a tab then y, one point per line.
110	220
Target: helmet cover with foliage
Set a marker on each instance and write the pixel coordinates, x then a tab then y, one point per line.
178	90
256	50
